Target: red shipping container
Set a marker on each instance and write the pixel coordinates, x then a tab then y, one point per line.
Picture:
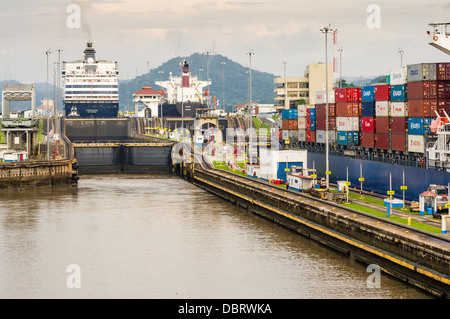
443	90
289	124
321	109
341	95
443	105
398	142
368	124
382	92
443	71
422	108
399	124
344	109
355	106
347	95
368	139
382	141
422	90
311	136
382	125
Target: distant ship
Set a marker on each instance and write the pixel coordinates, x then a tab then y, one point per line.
90	87
183	95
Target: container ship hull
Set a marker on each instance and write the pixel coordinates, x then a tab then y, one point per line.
91	109
189	109
377	175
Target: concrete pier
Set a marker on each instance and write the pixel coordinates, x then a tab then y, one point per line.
38	173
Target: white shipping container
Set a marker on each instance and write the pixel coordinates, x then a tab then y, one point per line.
285	134
399	109
302	135
416	143
382	108
398	76
320	136
347	124
302	123
321	97
301	109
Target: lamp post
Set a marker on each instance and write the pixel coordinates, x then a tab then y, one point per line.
250	54
326	30
340	66
47	53
285	86
208	53
401	52
161	100
223	84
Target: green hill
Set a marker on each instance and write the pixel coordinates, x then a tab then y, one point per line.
236	80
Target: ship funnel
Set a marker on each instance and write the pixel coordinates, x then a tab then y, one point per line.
89	52
185	74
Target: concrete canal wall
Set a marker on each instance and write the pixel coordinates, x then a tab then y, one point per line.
30	173
416	258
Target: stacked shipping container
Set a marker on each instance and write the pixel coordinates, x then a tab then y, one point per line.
348	102
394	116
422	86
289	124
321	125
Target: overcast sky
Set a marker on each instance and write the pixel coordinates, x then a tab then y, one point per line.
134	32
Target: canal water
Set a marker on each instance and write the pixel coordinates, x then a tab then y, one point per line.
157	236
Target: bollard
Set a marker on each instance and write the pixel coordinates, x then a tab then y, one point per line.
409	221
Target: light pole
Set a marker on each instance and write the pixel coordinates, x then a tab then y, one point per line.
57	102
148	70
326	30
285	85
223	84
208	53
250	54
47	53
401	52
340	66
161	101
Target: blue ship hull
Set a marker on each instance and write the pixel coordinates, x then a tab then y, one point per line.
376	175
93	109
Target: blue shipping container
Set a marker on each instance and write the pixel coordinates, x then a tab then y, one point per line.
368	109
293	114
399	93
367	93
313	125
285	114
346	138
415	126
313	114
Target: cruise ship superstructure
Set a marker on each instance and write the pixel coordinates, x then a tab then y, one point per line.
91	87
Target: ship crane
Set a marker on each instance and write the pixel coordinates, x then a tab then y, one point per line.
440	37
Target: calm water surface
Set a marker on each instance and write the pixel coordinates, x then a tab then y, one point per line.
156	236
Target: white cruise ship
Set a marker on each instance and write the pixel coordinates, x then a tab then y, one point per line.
91	88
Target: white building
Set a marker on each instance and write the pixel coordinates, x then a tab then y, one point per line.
146	102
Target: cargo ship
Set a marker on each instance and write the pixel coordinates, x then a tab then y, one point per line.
90	87
184	95
381	133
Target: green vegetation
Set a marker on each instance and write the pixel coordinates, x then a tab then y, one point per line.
261	128
393	217
223	166
232	74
